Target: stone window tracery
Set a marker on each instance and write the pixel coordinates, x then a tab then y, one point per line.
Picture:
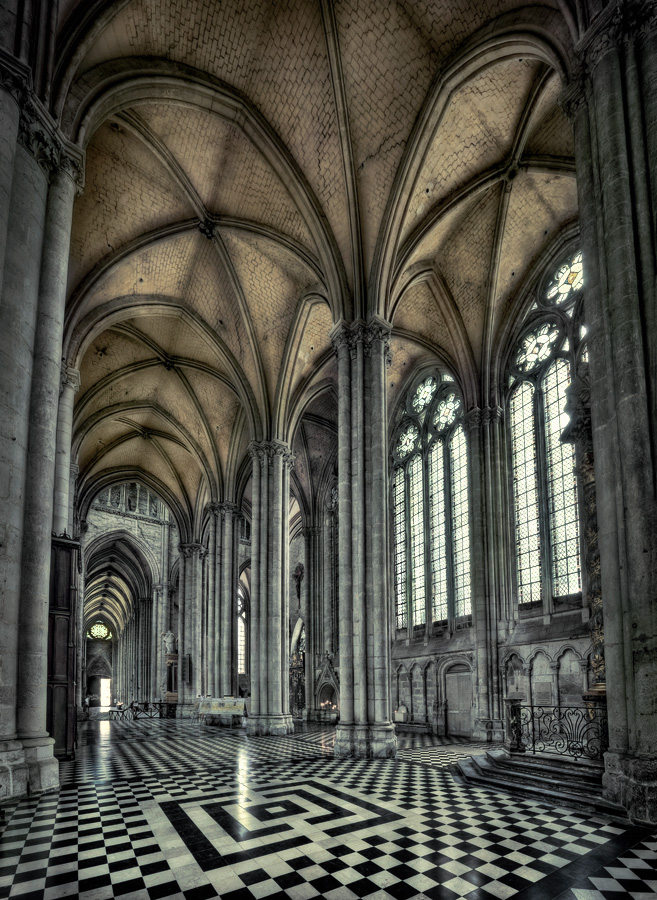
430	498
543	467
100	632
242	630
132	498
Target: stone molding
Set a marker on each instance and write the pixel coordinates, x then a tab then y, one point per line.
265	451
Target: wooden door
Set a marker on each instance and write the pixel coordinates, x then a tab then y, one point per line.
458	693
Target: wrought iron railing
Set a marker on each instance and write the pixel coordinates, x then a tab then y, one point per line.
575	731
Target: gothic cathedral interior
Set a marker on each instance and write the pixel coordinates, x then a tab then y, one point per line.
328	379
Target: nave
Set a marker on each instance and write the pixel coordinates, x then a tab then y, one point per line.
170	809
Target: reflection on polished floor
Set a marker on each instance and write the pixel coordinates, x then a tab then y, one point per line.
159	809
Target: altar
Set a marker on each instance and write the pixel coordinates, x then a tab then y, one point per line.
223	710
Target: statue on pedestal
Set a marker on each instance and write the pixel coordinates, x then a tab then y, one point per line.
169	642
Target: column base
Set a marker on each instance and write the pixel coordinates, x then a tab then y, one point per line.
631	781
27	767
366	741
276	725
488	730
43	768
13	770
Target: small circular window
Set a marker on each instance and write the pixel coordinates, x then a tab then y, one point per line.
424	393
537	346
99	631
407	440
567	280
446	412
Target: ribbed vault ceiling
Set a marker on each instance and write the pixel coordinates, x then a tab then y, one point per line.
255	171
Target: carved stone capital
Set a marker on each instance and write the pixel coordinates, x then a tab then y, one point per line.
39	135
266	451
69	378
366	334
15	78
574	95
473	418
641	20
491	414
191	549
227	509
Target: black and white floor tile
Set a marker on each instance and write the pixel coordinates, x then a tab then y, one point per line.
170	809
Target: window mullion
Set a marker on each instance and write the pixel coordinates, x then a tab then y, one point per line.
547	591
408	549
449	537
428	574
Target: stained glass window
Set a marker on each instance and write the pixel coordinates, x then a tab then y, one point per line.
562	484
548	552
536	347
241	633
446	412
407	440
568	279
416	491
399	502
100	632
525	494
460	522
430	509
438	535
241	647
424	393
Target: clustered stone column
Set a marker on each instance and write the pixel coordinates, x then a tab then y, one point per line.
612	102
311	612
330	589
70	385
365	728
486	468
579	433
189	626
270	700
228	512
39	174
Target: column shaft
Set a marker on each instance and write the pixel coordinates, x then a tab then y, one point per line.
254	635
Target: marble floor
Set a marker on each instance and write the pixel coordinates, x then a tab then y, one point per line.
162	809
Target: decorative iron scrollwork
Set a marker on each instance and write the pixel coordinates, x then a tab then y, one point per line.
575	731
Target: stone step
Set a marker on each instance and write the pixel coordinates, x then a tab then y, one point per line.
484	772
412	728
579	773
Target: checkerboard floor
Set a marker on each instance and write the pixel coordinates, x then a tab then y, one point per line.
169	809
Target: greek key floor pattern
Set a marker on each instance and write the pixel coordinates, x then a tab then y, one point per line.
170	809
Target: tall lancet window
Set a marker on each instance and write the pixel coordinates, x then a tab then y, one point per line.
543	468
430	499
